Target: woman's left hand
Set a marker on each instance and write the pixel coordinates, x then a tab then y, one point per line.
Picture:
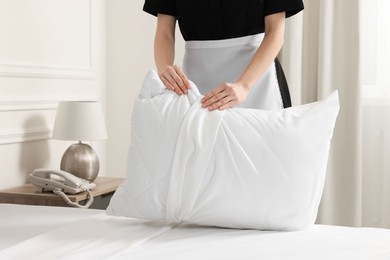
225	96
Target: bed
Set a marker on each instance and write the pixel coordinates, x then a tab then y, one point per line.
38	232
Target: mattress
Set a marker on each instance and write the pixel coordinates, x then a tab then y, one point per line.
38	232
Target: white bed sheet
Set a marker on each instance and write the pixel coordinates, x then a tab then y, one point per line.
35	232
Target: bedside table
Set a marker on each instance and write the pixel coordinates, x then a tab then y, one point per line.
26	194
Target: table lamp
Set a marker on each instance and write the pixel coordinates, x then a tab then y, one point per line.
80	121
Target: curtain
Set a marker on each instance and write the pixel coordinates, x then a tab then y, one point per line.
321	53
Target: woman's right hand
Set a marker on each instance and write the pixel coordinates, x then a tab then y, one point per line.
174	79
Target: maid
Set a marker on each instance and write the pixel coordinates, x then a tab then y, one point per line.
230	50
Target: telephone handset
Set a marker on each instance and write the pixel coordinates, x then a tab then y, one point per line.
61	182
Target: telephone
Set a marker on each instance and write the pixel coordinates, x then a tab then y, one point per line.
61	182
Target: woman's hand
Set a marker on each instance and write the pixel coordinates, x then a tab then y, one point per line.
225	96
174	79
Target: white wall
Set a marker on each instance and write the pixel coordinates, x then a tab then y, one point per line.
54	50
50	50
130	36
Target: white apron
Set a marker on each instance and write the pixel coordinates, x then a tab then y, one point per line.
210	63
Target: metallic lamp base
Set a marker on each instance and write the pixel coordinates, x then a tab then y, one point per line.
81	160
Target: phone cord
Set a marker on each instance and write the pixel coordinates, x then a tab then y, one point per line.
60	193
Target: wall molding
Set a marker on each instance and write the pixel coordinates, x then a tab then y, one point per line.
47	104
37	70
10	104
20	135
45	71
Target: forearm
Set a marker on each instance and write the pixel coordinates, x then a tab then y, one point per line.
164	46
266	53
171	75
262	59
164	52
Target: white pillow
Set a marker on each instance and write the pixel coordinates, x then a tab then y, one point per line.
238	168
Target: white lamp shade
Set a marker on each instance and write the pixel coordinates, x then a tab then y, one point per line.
79	121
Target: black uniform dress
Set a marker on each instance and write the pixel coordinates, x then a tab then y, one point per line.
215	20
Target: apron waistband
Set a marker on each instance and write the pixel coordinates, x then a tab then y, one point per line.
251	39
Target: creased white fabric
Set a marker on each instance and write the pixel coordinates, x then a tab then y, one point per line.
69	233
77	235
239	168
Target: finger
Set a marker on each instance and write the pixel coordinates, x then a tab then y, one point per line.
230	104
213	93
215	99
167	84
178	80
170	79
220	103
183	77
